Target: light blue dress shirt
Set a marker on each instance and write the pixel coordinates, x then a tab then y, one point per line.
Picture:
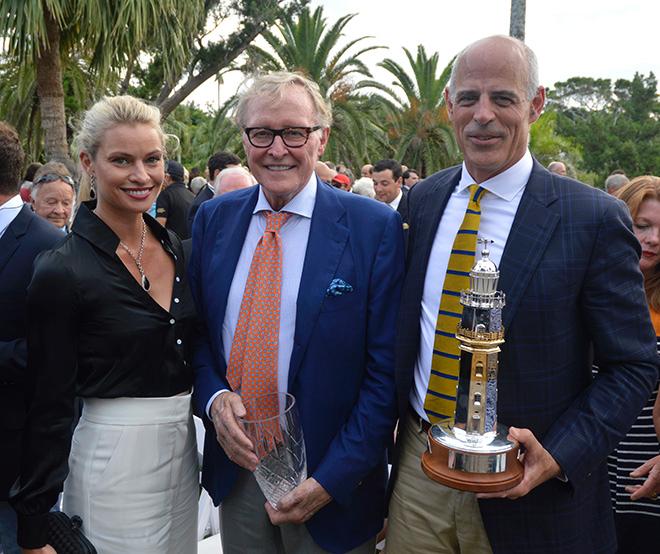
295	235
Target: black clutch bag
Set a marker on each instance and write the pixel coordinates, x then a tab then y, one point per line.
65	535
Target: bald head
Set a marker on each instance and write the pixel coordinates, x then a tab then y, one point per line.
557	167
488	102
504	48
615	182
324	172
232	178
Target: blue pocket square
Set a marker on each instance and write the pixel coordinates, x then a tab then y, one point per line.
338	287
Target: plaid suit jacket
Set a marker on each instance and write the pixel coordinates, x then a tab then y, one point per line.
570	271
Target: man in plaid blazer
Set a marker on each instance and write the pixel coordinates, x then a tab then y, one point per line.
569	266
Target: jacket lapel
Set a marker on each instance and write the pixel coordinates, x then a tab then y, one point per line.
328	236
234	221
10	239
424	213
528	239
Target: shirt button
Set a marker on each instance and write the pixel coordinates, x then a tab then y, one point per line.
178	280
179	341
176	300
172	322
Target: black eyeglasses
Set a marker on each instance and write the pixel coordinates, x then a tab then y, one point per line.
51	177
293	137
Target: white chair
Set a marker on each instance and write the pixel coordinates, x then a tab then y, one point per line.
208	518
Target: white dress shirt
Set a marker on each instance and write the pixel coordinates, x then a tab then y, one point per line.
498	209
294	234
8	212
394	204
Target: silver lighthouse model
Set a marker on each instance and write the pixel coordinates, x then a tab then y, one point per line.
471	451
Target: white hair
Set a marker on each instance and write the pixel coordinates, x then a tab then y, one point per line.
232	171
274	86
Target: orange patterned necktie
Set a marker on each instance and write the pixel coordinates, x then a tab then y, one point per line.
252	368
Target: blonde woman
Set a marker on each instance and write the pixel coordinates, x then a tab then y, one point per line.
110	316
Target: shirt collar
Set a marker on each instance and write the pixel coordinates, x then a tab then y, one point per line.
507	184
13	203
93	229
9	211
301	204
394	204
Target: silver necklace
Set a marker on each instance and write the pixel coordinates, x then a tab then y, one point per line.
138	259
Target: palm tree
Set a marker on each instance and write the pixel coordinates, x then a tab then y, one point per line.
201	134
417	123
308	44
43	33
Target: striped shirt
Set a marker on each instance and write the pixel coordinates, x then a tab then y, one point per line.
638	446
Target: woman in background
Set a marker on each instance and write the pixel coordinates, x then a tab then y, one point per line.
110	315
634	466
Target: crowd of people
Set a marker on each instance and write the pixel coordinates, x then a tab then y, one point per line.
135	293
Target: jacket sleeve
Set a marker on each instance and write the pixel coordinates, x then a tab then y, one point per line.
615	311
52	367
209	369
13	359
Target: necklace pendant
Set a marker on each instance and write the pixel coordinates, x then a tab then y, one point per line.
146	285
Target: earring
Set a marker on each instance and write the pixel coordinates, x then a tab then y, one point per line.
92	186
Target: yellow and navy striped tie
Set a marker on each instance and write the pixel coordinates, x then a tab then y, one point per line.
440	399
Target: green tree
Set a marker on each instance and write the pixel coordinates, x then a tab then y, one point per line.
211	55
620	129
417	122
547	145
43	33
201	134
312	46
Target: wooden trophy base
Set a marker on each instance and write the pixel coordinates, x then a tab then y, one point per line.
435	463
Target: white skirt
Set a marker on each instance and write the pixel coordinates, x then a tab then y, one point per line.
133	475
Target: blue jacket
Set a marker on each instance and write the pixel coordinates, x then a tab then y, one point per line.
342	365
570	272
22	241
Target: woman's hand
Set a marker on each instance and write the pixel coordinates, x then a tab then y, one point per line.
651	487
48	549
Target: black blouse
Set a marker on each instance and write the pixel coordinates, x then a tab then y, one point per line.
93	331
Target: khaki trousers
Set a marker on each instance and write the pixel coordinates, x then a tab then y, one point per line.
246	528
426	516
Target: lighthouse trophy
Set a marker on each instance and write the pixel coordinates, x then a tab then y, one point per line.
471	452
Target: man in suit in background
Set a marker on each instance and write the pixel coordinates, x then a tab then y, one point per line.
569	266
22	236
324	323
218	162
174	201
388	186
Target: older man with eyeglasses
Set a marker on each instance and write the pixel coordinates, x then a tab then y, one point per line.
334	263
54	194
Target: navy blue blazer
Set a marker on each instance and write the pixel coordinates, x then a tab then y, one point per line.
20	244
342	365
570	271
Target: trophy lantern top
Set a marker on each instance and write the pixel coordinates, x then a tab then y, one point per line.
484	275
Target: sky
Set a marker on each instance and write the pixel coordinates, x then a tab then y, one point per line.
588	38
